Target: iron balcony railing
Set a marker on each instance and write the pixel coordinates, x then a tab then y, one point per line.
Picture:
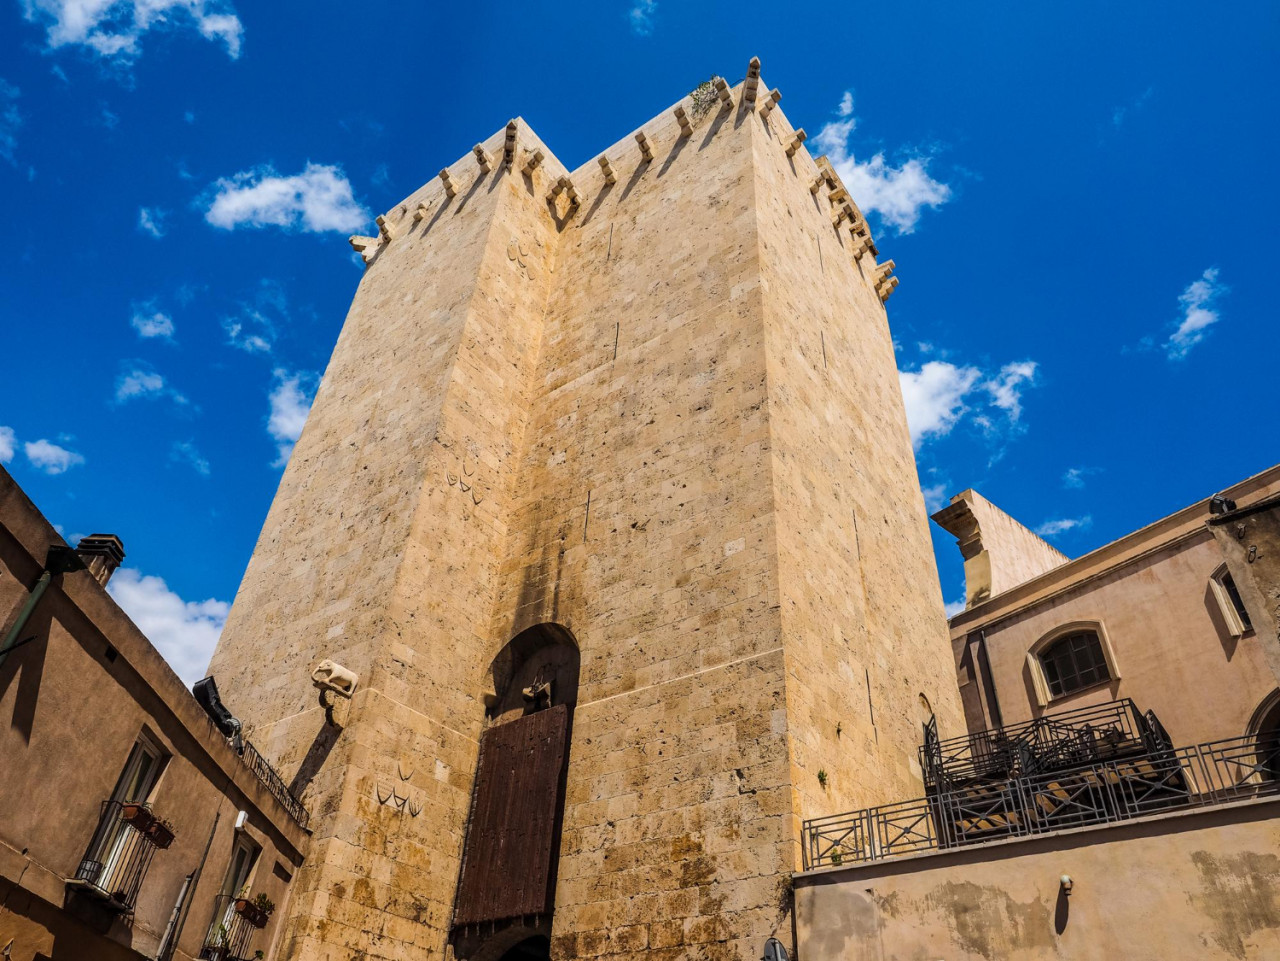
1053	742
119	854
265	773
1218	772
231	932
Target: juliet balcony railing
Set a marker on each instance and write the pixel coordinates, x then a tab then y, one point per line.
272	781
235	923
126	839
1103	792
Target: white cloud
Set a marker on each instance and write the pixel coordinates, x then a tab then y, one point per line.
240	337
50	458
641	17
151	221
8	444
10	121
113	29
1064	524
1073	477
254	329
149	322
185	452
318	199
940	394
142	382
290	401
184	632
935	497
1006	387
953	608
935	395
897	194
1197	314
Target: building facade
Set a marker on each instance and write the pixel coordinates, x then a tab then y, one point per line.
607	499
128	826
1116	788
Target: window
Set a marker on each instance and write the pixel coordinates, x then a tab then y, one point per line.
1230	602
1074	661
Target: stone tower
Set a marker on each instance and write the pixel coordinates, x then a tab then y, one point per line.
609	474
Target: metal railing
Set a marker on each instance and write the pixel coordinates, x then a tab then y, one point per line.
265	773
1052	742
119	855
1218	772
230	936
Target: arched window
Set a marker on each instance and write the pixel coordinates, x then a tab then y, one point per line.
1074	661
1229	602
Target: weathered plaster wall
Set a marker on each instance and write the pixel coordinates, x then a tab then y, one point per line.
1249	540
1201	886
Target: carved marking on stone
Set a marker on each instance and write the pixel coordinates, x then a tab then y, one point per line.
453	479
404	775
384	796
415	807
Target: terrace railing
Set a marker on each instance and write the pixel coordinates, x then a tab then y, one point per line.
1053	742
1214	773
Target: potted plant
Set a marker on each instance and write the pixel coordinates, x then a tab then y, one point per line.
136	813
160	831
255	911
264	904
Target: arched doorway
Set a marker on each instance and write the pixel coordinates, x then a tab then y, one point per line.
531	949
506	884
1265	726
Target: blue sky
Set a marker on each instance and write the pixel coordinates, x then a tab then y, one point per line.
1078	198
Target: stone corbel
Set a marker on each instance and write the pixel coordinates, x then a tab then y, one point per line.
450	188
509	146
770	102
607	170
384	228
682	118
799	138
420	214
533	162
646	151
722	91
482	158
752	85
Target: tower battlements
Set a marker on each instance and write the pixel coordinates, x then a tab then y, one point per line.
517	151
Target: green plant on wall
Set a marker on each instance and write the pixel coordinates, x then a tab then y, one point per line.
822	777
704	97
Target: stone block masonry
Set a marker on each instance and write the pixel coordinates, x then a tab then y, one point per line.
658	407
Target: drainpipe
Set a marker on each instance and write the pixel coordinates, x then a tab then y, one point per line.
178	919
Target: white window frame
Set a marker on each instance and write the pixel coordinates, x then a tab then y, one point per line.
1045	697
1230	616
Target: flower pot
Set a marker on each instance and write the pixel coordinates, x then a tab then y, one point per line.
251	912
136	814
159	834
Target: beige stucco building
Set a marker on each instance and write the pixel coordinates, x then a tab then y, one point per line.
1115	794
128	825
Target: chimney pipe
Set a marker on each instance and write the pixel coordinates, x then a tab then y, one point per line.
102	554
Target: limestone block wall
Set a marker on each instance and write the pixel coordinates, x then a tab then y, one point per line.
862	614
611	418
650	401
377	553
